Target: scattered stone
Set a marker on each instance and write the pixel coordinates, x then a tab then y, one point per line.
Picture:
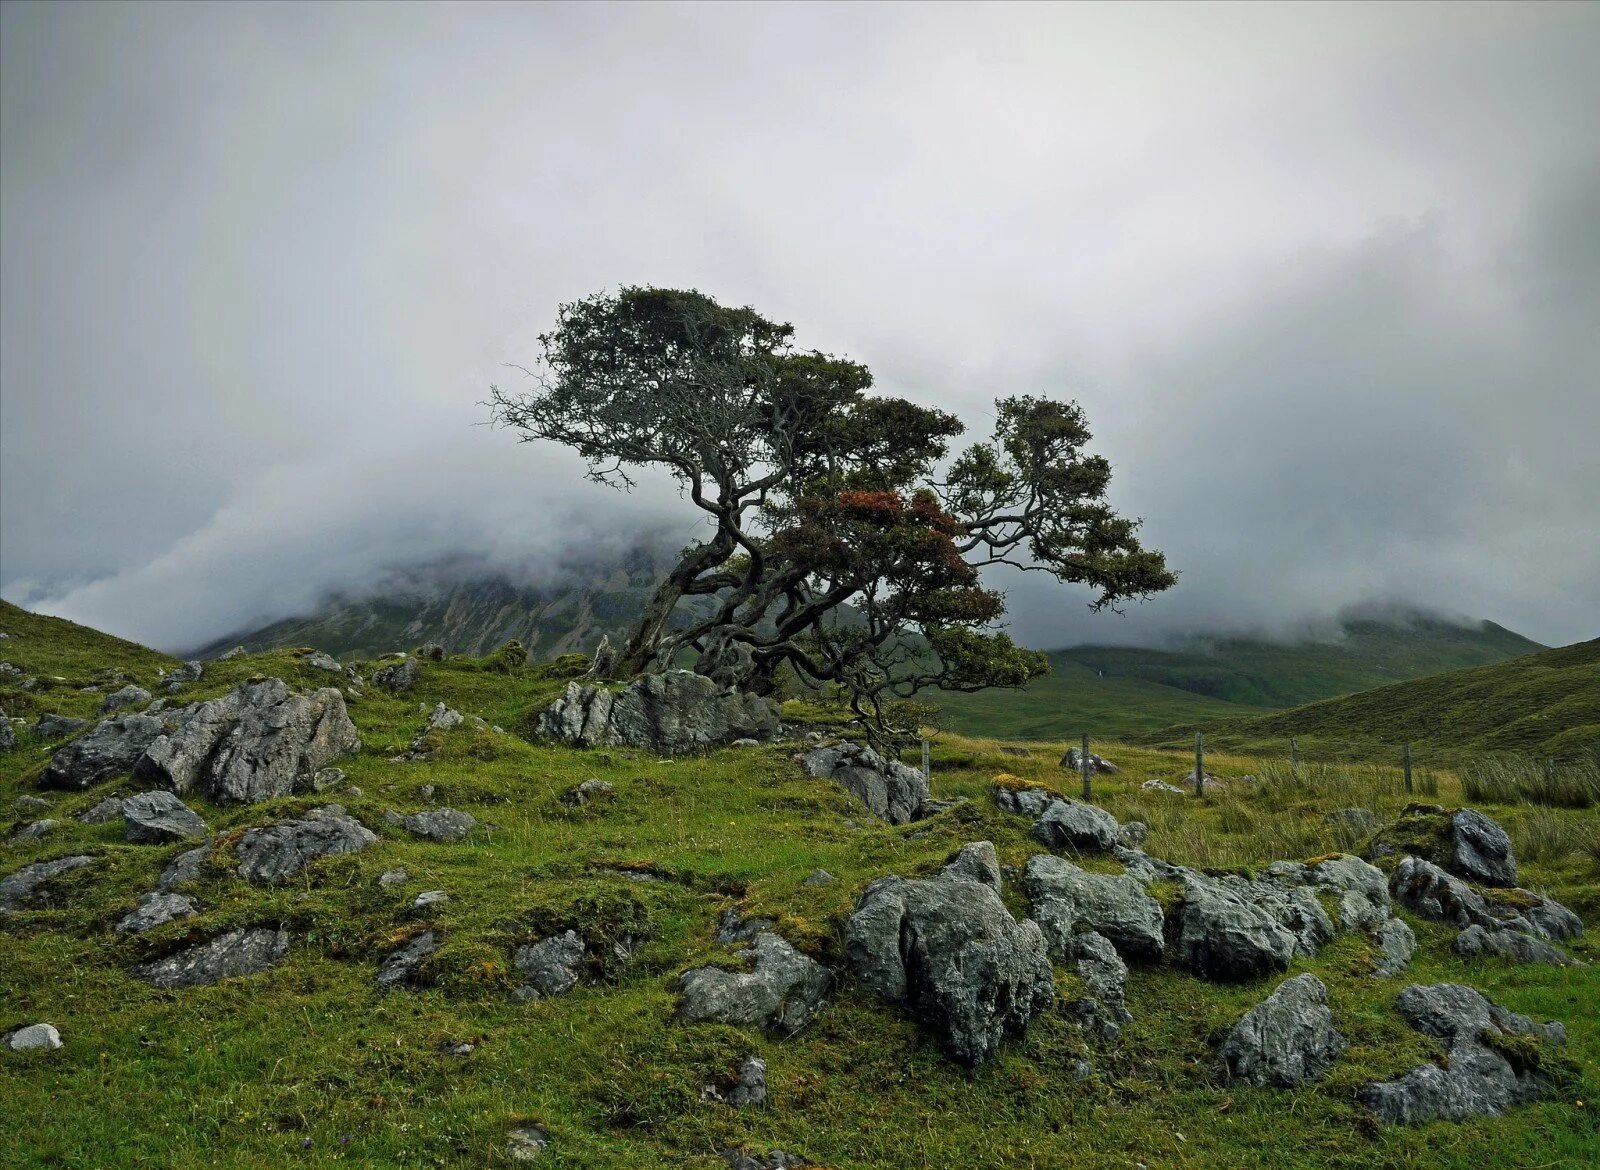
272	854
55	726
322	661
109	809
747	1087
525	1143
1396	944
1359	821
1104	1010
236	953
31	804
157	909
1071	824
128	696
1224	937
1362	889
109	749
1073	762
187	673
745	742
819	877
393	877
1475	941
671	713
783	991
326	778
259	742
589	792
441	824
976	861
731	928
1161	786
32	832
1481	850
401	676
550	965
154	817
949	952
183	868
1030	802
428	899
1287	1039
772	1160
403	967
892	791
1484	1074
34	1036
1116	906
236	652
431	651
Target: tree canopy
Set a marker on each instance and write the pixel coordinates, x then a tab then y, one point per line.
844	543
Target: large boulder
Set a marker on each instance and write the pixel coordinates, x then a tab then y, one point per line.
157	909
128	696
259	742
1223	936
1476	941
892	791
1423	888
26	885
236	953
671	713
52	726
1021	798
1396	944
1361	888
1287	1039
1488	1068
153	817
110	749
1481	850
1071	824
781	992
399	676
272	854
1117	906
948	951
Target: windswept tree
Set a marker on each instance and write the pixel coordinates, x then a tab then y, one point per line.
844	543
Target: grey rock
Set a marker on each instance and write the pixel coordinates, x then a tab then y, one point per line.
236	652
750	1087
183	868
403	967
891	791
1153	785
1481	850
1361	888
259	742
427	791
326	778
746	742
819	877
8	734
1295	909
398	677
1071	824
732	928
1105	975
153	817
1425	889
771	1160
31	804
551	965
670	713
272	854
55	726
976	861
322	661
950	954
393	877
428	899
1029	802
1548	918
1287	1039
441	824
187	673
1396	944
1073	762
32	832
1223	936
157	909
109	809
1475	941
24	887
1479	1080
228	956
1116	906
110	749
128	696
34	1036
1132	835
526	1143
782	992
589	792
432	651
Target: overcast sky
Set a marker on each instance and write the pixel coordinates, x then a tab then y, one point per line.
1326	279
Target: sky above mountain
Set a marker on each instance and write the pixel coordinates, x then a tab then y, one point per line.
1326	279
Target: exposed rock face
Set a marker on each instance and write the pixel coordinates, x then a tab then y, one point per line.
1479	1080
157	909
949	953
891	790
318	660
1396	944
1071	824
748	1087
732	927
28	805
34	1036
25	886
153	817
1481	850
1475	941
1030	802
183	868
56	726
239	952
670	714
403	967
976	861
1295	909
1287	1039
109	809
527	1143
1073	762
551	965
272	854
32	832
401	676
441	824
1117	906
1549	917
1425	889
259	742
783	991
128	696
1222	936
1103	972
108	750
1362	889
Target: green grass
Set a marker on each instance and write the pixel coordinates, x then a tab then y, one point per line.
309	1065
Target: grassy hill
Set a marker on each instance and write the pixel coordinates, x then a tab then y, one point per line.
1543	705
1113	691
311	1065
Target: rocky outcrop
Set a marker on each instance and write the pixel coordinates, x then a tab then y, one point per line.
550	966
1073	762
157	909
1071	824
1287	1039
399	676
175	680
26	886
55	726
781	992
228	956
948	951
109	809
110	749
259	742
272	854
892	791
1423	888
672	713
183	868
403	966
1030	802
1117	906
1481	850
1223	936
441	824
153	817
976	861
1362	890
1396	944
1488	1068
1104	1009
128	696
1476	941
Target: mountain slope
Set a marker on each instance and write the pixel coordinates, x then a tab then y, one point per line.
1544	704
57	654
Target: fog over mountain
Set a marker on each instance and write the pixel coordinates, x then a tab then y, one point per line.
1325	278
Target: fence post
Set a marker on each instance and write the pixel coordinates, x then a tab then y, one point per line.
1405	766
1294	752
1087	768
1199	764
927	761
